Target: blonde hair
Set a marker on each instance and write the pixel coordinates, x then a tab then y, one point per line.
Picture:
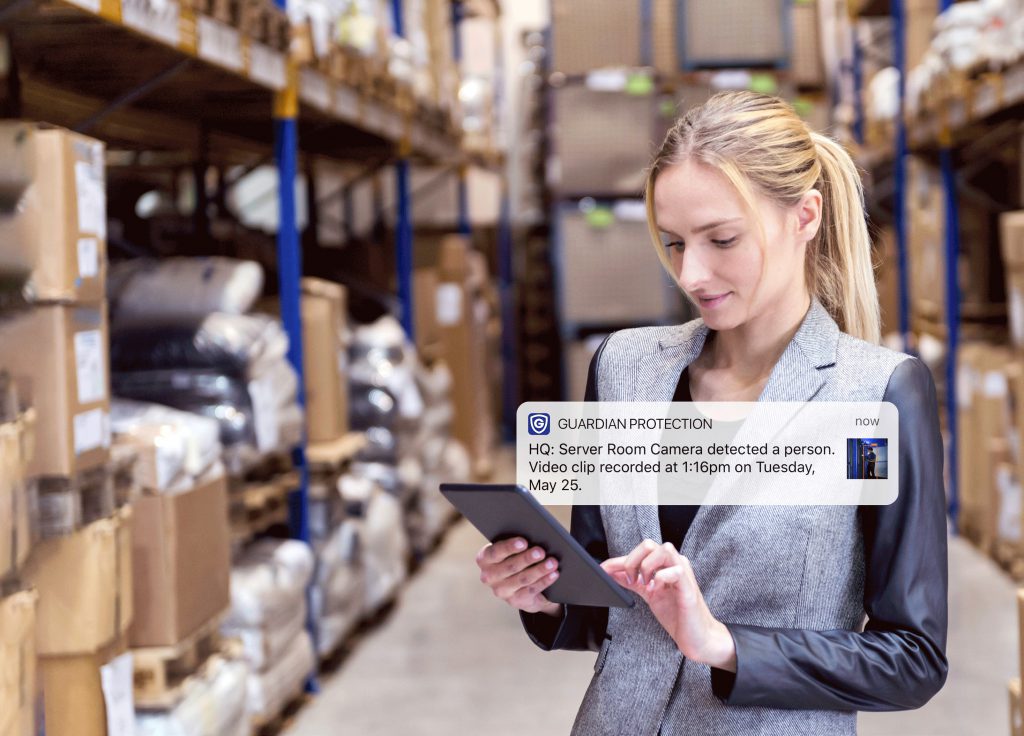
760	144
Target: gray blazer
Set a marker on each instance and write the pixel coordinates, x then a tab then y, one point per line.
800	568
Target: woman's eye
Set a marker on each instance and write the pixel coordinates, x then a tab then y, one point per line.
676	245
725	243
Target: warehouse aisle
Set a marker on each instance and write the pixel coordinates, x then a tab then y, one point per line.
452	657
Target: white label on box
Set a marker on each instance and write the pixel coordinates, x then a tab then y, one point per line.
266	66
449	304
995	385
1017	316
91	192
116	679
156	18
220	44
89	367
92	6
630	210
607	80
91	430
314	89
88	258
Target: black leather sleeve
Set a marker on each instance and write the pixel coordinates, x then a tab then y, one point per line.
579	627
898	662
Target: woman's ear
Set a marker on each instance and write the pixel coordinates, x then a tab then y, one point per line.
808	214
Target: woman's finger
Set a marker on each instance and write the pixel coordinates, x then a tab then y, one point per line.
664	556
635	558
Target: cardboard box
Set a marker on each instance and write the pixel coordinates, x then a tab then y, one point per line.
603	140
85	586
18	664
181	563
424	288
324	359
16	442
887	274
76	692
716	33
1016	716
919	19
610	272
807	67
609	33
64	213
60	354
463	331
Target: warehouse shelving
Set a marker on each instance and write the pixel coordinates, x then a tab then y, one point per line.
161	78
933	134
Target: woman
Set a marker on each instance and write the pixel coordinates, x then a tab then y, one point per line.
752	618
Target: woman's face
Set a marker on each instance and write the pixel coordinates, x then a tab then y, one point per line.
715	246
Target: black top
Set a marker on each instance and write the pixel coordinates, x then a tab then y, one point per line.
898	661
676	520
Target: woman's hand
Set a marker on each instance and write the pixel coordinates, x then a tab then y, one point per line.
665	580
519	575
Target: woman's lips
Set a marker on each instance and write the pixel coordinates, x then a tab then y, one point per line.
713	302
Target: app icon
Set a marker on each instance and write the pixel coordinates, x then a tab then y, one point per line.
539	423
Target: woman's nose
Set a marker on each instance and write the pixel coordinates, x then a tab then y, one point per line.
692	272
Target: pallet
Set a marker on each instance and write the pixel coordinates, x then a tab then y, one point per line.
333	456
163	675
256	507
269	467
66	504
1008	556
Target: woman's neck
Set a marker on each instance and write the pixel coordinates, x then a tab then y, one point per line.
752	349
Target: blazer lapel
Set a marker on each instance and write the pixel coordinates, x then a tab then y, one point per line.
795	377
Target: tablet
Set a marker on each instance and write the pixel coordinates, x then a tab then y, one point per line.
504	511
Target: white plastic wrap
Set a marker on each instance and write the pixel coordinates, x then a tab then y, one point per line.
271	690
263	645
185	444
268	582
385	549
183	288
338	590
216	705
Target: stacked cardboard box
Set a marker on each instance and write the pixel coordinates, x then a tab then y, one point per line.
987	439
887	277
324	358
926	214
1012	246
54	218
84	581
609	33
58	352
462	318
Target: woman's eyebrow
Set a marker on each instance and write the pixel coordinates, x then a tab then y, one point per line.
702	228
713	225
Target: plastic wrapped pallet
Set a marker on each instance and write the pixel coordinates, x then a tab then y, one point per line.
242	345
268	582
182	288
384	545
176	447
215	705
271	690
264	644
336	596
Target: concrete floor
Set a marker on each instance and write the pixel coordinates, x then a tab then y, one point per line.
452	658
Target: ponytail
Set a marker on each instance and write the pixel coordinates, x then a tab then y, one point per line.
839	267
